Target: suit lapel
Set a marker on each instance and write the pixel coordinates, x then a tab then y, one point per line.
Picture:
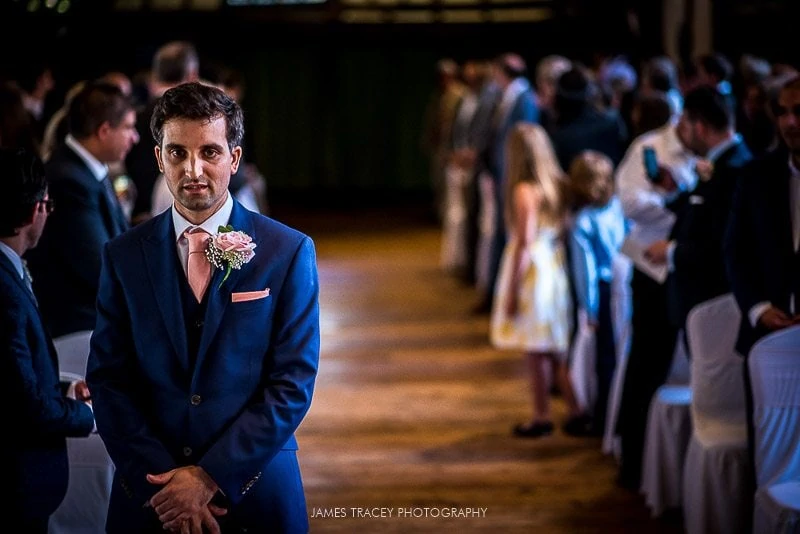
6	264
162	265
220	297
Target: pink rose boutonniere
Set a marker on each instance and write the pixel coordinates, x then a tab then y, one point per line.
229	249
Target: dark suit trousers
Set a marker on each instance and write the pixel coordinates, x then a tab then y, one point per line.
606	356
652	346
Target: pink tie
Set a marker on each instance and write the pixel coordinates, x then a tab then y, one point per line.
198	269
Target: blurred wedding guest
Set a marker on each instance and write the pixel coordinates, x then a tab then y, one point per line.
66	265
437	130
531	310
716	70
173	63
57	127
35	79
762	246
597	232
48	411
645	201
17	129
548	71
517	103
764	235
580	125
693	251
660	75
650	112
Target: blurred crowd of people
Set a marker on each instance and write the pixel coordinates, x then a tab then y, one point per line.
608	200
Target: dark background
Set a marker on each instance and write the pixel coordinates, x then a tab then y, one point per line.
335	111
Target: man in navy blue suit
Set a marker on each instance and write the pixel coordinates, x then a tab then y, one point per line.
199	384
47	410
762	247
66	265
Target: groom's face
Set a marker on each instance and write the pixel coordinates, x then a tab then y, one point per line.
197	164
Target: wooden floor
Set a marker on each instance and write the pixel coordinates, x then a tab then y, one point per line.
412	413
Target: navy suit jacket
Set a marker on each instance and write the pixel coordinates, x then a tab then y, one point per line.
66	263
236	406
41	417
699	234
758	246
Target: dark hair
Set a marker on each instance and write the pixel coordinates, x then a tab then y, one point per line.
196	101
708	105
24	184
95	104
175	61
512	65
717	66
654	112
660	71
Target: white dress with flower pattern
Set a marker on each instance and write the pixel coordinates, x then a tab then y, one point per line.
543	318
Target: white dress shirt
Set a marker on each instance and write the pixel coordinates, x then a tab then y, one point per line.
643	202
99	169
210	225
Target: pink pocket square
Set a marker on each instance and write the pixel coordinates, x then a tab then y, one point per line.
249	295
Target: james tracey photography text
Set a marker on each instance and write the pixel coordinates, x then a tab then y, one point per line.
385	512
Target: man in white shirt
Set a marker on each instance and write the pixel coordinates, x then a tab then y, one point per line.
645	204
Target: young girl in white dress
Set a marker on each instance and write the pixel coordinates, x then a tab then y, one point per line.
532	307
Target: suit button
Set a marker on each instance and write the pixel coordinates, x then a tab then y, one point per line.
196	400
187	451
198	323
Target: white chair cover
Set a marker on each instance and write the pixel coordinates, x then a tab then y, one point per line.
716	465
669	427
621	310
582	372
73	352
91	471
774	365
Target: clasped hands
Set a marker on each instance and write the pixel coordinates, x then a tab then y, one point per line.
184	505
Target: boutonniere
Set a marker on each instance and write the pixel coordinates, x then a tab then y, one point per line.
229	249
704	169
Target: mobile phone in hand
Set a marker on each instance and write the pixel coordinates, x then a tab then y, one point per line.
650	164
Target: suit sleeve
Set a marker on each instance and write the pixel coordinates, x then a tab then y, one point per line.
290	369
743	272
33	378
112	378
584	270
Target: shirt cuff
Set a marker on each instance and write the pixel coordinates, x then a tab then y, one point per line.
757	311
71	390
671	255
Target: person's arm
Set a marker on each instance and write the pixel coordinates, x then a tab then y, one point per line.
584	271
525	208
112	379
290	369
38	400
